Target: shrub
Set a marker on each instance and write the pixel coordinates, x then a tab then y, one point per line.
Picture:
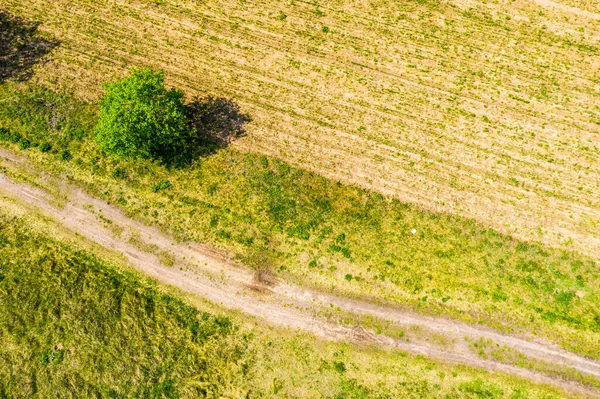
340	367
140	118
335	248
14	137
346	253
8	135
4	134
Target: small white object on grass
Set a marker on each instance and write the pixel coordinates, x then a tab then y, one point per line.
414	231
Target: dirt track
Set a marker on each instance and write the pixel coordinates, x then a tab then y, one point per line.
203	271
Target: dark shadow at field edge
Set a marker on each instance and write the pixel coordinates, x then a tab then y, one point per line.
216	118
216	122
21	47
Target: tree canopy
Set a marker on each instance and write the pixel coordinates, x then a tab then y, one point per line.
141	118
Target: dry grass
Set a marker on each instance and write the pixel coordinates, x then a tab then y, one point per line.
485	109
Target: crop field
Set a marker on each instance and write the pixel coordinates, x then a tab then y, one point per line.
579	7
75	325
486	109
319	233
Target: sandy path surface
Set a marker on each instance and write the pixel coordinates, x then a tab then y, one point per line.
203	271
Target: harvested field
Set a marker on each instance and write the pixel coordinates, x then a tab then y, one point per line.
485	109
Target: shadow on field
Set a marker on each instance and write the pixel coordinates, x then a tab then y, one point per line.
21	47
218	121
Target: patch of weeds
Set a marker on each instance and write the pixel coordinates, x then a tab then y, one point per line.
5	134
161	185
24	143
340	367
65	155
45	147
166	258
119	173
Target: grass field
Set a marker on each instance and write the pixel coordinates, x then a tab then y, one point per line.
436	156
75	325
321	233
486	109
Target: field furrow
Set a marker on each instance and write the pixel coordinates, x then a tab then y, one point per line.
489	110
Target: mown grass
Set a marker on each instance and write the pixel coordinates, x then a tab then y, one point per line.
75	325
323	233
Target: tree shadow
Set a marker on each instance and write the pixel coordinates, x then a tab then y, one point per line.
217	121
21	47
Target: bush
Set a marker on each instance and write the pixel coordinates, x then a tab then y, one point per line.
14	137
4	134
140	118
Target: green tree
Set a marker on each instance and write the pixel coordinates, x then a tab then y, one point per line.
141	118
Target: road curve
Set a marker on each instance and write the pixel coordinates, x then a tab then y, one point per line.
203	271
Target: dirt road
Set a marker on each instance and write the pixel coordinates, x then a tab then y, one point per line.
203	271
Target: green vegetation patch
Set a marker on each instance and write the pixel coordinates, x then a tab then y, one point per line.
70	324
324	233
140	118
73	325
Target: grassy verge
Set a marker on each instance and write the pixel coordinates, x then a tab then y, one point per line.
487	349
76	325
320	232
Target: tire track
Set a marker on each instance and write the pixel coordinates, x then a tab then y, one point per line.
203	271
